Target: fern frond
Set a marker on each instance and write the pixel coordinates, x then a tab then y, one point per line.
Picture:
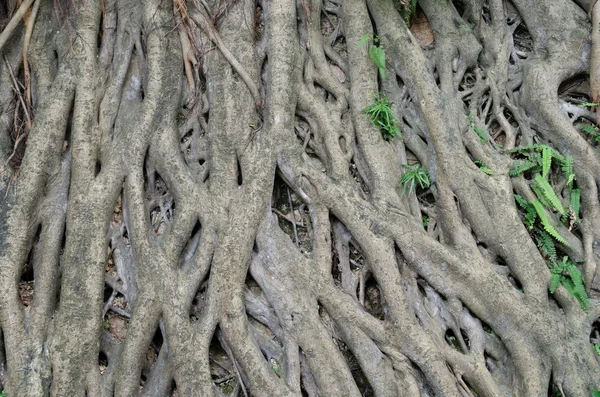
539	192
530	213
575	201
569	285
377	55
546	160
567	165
591	130
539	208
481	133
555	282
521	201
537	147
556	154
547	245
549	193
521	168
483	166
578	287
567	169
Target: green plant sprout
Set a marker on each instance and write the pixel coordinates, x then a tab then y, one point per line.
535	210
589	104
414	173
382	116
591	130
481	133
595	393
426	221
539	159
597	348
407	9
565	273
483	166
376	53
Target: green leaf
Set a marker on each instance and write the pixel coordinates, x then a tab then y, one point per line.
595	393
575	201
569	276
521	201
549	193
380	113
426	221
480	132
546	161
483	166
592	130
555	283
377	55
539	208
364	40
547	246
536	147
415	173
530	213
522	167
578	287
539	192
589	104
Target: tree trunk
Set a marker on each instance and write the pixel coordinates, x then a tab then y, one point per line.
289	198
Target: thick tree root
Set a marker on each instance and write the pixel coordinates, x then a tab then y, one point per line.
203	208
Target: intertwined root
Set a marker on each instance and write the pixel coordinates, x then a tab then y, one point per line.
298	198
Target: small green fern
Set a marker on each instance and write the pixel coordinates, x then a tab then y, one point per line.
521	166
575	202
376	53
567	168
589	104
538	147
530	212
483	166
591	130
567	274
546	244
407	9
414	173
382	116
549	193
480	132
541	212
541	196
546	161
538	158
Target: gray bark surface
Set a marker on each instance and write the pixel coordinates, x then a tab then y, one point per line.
194	201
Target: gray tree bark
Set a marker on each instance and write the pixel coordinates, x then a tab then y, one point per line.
195	203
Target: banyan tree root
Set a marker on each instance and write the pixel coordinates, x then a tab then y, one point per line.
288	198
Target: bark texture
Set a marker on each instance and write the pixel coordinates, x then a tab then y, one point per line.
195	202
